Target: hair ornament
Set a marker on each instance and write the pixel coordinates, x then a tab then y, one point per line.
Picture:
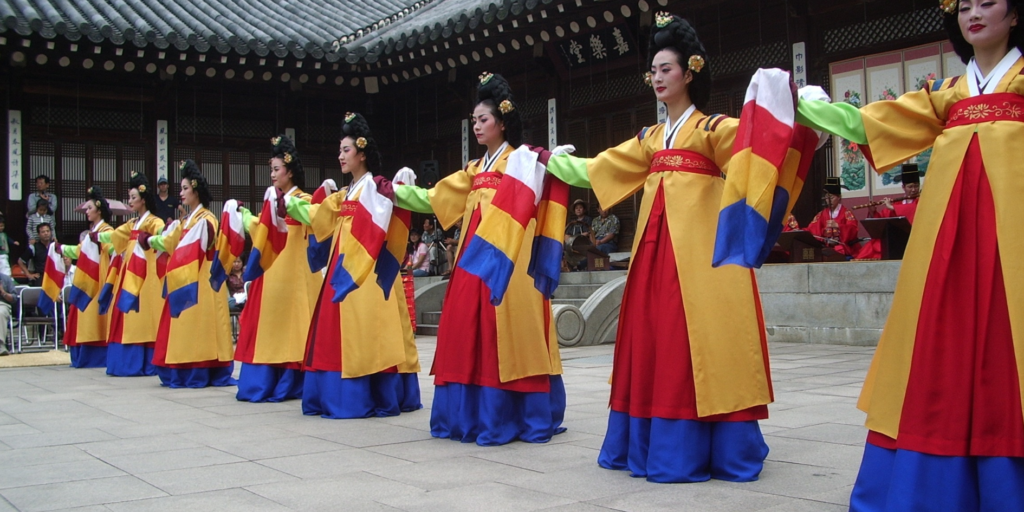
287	158
349	117
948	6
486	77
696	63
135	173
361	142
181	166
648	78
275	141
97	203
194	184
506	106
662	19
142	189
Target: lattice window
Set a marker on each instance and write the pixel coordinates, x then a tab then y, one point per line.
133	158
228	127
626	85
311	165
766	55
41	160
104	163
239	170
83	118
71	186
901	26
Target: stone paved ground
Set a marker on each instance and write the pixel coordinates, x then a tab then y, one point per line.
77	439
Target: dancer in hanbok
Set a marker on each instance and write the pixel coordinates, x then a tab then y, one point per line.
497	369
132	287
690	376
193	345
275	321
87	330
943	393
360	359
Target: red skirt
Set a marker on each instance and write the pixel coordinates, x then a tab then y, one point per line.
467	335
653	371
963	394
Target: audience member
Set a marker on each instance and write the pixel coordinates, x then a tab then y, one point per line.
5	248
7	302
236	286
835	224
606	231
451	246
166	203
42	215
416	255
42	192
579	224
33	260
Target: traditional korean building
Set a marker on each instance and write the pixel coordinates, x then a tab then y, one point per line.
100	89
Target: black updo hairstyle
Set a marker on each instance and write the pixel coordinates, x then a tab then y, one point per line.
681	38
95	194
962	47
356	126
282	147
190	171
492	91
139	182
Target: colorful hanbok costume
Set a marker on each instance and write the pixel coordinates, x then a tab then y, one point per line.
193	346
497	369
275	322
360	355
132	333
690	376
943	394
87	330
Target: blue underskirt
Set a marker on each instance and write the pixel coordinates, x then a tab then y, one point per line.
88	356
328	395
904	481
196	377
491	417
131	360
266	383
680	451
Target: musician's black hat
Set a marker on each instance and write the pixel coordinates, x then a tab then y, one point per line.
910	174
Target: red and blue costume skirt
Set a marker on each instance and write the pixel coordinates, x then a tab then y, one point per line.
653	428
960	444
199	374
127	359
471	404
86	354
263	382
325	392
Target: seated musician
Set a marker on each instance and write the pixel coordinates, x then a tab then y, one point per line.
791	224
905	207
835	225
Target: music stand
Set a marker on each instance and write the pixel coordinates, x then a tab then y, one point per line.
894	232
802	246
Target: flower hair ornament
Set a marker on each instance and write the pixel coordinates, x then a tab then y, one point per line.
194	184
361	142
647	79
696	63
181	166
485	77
948	6
142	189
97	203
135	173
275	141
349	117
506	106
662	19
287	158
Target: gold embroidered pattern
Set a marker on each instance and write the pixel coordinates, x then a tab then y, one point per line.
488	180
348	208
683	162
987	112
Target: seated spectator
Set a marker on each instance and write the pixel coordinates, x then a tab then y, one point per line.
7	303
451	246
42	192
5	248
42	215
577	226
433	237
236	286
33	260
416	259
606	231
835	225
791	224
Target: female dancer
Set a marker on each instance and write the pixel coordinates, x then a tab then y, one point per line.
87	330
497	369
194	350
133	334
943	394
361	357
275	321
688	383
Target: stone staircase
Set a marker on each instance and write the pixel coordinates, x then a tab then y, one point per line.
573	289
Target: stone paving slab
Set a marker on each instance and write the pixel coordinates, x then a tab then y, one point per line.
79	440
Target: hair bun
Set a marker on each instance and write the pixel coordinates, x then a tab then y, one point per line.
493	87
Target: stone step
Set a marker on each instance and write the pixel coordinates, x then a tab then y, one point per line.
576	291
430	317
569	278
572	302
426	329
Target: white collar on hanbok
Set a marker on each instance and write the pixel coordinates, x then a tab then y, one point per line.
987	84
672	129
142	218
490	160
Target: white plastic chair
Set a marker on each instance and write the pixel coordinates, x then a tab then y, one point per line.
28	298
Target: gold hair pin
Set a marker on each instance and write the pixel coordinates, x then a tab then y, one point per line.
287	158
135	173
142	189
696	63
506	106
485	77
275	141
181	166
662	19
949	6
97	203
361	142
349	117
648	77
194	184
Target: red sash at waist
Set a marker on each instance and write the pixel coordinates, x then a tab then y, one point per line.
291	222
348	208
486	180
683	160
1003	106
